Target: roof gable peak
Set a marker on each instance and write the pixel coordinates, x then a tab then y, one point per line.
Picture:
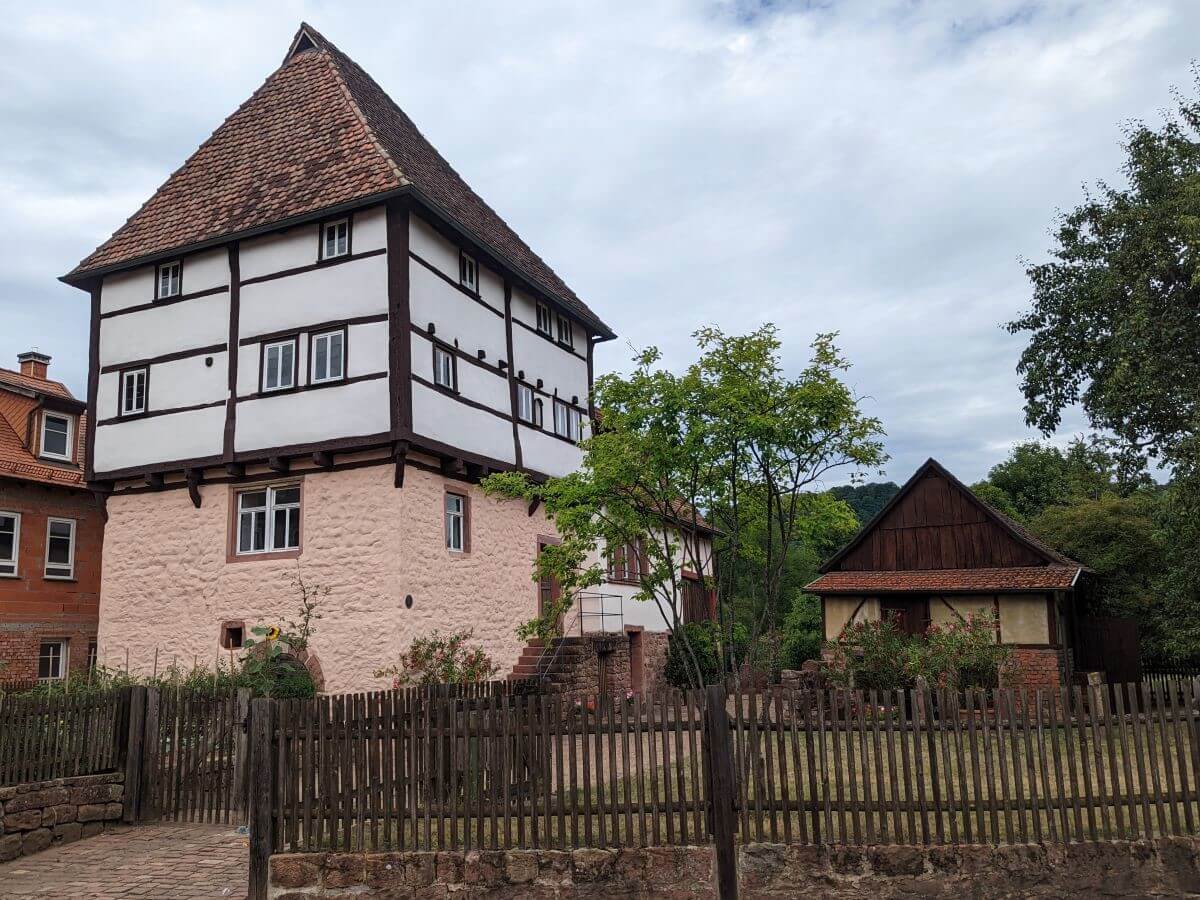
306	38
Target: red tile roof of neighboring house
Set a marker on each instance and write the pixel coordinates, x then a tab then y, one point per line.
1021	578
319	133
16	457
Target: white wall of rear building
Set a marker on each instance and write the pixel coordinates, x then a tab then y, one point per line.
184	435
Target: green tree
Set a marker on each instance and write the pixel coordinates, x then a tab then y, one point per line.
732	434
1036	476
866	499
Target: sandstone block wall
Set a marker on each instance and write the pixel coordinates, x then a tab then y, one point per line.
40	814
1166	867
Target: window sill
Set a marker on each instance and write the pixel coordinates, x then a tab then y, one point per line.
15	576
62	460
58	577
254	557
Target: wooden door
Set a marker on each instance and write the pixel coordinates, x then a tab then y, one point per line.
910	615
549	591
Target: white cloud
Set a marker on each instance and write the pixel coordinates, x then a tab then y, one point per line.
877	169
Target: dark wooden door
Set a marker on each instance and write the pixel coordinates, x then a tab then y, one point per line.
910	615
549	592
1109	645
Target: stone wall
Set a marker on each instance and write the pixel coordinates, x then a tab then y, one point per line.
654	660
579	674
34	816
1167	867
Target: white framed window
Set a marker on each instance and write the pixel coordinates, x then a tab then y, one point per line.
91	654
328	357
269	520
529	407
56	436
335	239
564	331
52	660
10	543
133	391
468	272
168	281
457	535
444	368
567	421
60	549
545	321
279	365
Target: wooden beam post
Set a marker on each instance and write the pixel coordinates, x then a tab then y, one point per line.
723	812
262	795
134	735
241	752
150	751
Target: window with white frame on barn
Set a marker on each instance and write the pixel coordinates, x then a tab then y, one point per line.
268	520
279	365
564	331
328	357
545	320
444	370
169	282
567	421
457	525
56	436
52	660
468	273
335	239
133	391
10	543
60	549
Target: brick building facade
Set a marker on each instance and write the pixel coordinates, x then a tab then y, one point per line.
51	529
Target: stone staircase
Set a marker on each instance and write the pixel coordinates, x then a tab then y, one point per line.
557	662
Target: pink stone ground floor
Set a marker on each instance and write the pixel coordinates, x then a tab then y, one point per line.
170	578
162	862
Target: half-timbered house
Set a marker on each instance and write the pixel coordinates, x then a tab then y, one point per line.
935	554
307	347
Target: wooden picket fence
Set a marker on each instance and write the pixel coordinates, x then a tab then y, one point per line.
42	738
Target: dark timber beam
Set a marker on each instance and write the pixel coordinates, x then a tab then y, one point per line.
155	480
195	477
453	466
400	457
322	458
279	464
534	504
475	471
235	470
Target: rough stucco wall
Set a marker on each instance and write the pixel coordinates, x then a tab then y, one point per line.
941	614
838	611
166	582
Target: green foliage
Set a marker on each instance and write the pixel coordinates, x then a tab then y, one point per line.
1118	539
441	659
962	655
872	656
703	639
866	499
802	638
996	498
1036	476
733	436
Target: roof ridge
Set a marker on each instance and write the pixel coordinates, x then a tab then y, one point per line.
329	52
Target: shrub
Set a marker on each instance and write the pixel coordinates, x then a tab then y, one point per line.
441	659
872	656
961	655
703	640
801	631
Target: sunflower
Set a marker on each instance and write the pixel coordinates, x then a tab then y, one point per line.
273	633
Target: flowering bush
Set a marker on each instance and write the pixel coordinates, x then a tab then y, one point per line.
879	655
441	659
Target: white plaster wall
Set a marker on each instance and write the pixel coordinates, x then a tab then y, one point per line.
539	358
370	230
443	255
455	315
272	253
167	584
344	291
164	329
181	382
545	453
184	435
203	271
349	410
442	418
249	359
124	289
368	349
491	288
474	382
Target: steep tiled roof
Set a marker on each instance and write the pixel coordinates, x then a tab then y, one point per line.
1020	578
16	458
319	133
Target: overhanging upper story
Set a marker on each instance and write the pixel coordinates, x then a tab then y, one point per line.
310	294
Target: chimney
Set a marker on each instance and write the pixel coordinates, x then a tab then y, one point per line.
34	364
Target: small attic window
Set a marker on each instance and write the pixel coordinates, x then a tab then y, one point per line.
168	280
304	43
468	272
335	239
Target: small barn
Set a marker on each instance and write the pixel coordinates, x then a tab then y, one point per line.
936	553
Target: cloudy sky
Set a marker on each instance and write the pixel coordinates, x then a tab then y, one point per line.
873	168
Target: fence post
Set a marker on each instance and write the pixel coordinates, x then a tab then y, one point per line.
134	748
148	809
261	779
724	814
241	733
